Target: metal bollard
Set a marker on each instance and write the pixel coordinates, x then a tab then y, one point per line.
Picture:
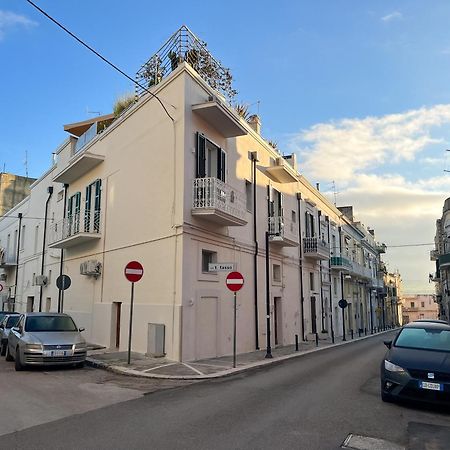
351	332
359	332
296	342
317	339
365	331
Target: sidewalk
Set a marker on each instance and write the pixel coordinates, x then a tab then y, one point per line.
148	367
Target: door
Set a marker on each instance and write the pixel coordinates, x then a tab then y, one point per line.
278	321
48	304
206	314
313	315
116	316
30	304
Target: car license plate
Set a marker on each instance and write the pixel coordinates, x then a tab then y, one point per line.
57	352
430	386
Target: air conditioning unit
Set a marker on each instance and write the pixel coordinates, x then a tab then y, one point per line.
91	268
41	280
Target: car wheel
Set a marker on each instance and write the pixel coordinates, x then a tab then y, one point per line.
3	349
18	366
8	355
386	397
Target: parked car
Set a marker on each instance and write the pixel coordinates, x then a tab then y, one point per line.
7	313
417	364
45	339
6	324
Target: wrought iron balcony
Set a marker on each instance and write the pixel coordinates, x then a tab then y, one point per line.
283	232
434	255
75	230
7	258
361	271
340	263
316	248
218	202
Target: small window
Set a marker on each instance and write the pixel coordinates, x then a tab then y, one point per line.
276	273
294	217
60	195
49	277
412	304
423	304
249	195
22	238
311	281
33	281
208	257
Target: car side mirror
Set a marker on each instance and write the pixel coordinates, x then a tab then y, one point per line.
16	329
388	344
81	329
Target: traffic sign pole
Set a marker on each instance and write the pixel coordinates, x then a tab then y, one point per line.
234	331
131	322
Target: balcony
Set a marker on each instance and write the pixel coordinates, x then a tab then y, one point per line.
434	255
316	248
380	247
75	230
444	261
283	232
7	259
282	171
340	263
361	271
218	202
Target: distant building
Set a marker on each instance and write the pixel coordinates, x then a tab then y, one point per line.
13	189
393	298
415	307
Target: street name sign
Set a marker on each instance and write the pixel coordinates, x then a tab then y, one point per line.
235	281
220	267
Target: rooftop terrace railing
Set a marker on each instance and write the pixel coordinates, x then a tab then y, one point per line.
184	46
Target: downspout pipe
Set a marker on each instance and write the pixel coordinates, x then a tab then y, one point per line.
17	260
342	286
50	192
322	307
61	261
254	158
329	279
300	248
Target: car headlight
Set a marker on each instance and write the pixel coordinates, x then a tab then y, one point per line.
33	347
80	346
392	367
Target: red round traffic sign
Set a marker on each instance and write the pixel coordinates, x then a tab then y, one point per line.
134	271
235	281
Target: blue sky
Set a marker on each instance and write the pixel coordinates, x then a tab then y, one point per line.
360	83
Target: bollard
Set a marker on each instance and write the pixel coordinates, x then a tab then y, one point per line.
296	342
365	331
332	336
317	339
351	332
359	332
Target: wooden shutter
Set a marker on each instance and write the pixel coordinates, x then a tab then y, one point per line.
201	156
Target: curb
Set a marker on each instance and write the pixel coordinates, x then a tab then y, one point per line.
92	362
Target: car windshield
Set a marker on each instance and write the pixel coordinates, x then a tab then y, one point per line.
50	323
424	338
12	321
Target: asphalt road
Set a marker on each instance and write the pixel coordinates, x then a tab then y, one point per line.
312	402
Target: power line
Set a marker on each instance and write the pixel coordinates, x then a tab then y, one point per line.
100	56
408	245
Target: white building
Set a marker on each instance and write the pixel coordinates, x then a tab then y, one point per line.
177	181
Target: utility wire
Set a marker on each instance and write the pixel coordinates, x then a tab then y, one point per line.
100	56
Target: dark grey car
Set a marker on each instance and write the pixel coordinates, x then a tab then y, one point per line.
6	324
45	339
417	364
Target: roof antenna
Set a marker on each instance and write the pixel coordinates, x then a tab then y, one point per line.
26	163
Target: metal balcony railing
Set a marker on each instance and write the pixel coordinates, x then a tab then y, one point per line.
282	228
340	262
75	224
184	46
313	246
213	194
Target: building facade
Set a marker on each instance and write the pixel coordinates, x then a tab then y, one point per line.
441	255
178	181
13	189
416	307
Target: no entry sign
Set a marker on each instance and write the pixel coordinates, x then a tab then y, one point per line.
133	271
235	281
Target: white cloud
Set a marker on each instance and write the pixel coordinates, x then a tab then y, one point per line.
395	15
9	20
356	145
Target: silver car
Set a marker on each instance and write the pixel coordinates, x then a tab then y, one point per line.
8	321
45	339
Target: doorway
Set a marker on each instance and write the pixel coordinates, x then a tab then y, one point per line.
278	321
313	315
30	304
48	304
116	316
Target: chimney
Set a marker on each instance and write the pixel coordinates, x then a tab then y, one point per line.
318	186
255	122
